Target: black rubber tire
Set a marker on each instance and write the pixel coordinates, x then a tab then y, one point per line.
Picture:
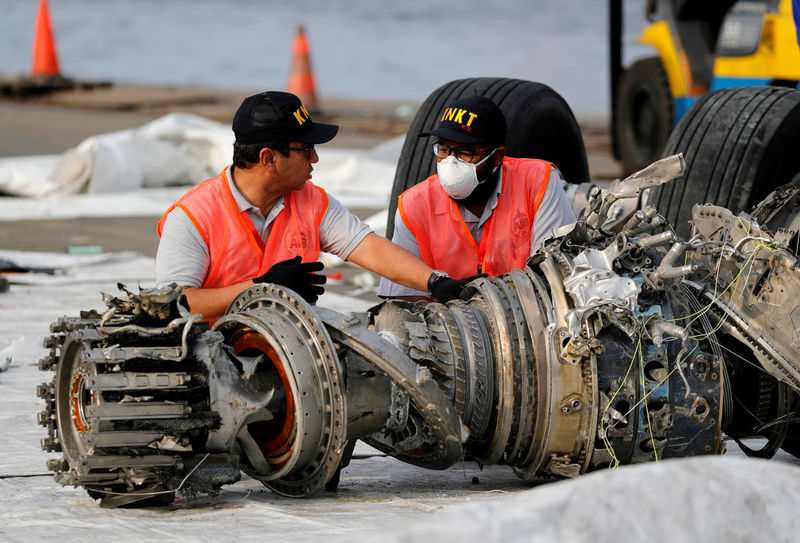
540	125
644	115
739	144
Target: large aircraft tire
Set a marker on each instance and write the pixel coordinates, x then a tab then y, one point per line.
739	144
644	114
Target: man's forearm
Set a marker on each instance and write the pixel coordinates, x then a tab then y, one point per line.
212	302
391	261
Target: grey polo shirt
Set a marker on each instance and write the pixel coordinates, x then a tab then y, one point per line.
183	258
554	211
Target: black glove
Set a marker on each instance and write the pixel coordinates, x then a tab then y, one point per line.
297	276
443	288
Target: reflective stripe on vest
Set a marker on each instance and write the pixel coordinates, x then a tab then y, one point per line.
444	240
235	252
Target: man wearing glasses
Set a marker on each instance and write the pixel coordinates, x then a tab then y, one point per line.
262	221
482	212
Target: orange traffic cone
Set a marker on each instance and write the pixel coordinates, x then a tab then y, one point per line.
45	61
301	80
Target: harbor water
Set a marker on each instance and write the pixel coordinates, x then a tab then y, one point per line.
363	49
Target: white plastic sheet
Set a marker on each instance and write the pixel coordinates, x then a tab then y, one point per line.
179	149
140	172
380	498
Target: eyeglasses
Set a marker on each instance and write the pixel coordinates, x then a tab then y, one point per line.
464	154
309	149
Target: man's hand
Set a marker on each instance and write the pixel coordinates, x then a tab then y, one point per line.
445	289
297	276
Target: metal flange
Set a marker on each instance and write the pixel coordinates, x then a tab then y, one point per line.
300	453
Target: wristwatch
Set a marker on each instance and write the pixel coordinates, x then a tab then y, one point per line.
435	277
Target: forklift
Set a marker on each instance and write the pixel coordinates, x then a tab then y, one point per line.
699	46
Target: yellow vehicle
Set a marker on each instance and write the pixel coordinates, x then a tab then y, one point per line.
700	46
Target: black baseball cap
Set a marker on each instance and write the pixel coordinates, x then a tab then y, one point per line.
278	116
473	119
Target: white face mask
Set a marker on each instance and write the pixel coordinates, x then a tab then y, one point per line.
459	179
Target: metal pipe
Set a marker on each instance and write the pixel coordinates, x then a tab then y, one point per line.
655	240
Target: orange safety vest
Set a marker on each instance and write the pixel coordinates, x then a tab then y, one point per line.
445	242
236	250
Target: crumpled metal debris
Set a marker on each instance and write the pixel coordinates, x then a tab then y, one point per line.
604	350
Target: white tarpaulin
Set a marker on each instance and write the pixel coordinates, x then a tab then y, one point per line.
179	149
731	498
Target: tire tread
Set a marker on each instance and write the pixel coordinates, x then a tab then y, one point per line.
726	138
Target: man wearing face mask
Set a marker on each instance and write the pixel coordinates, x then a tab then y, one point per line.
482	212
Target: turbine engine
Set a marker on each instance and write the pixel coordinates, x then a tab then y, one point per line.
602	351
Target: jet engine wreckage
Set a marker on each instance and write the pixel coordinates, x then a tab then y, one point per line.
606	349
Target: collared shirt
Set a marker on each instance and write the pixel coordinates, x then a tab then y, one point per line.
263	225
475	223
554	211
183	257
